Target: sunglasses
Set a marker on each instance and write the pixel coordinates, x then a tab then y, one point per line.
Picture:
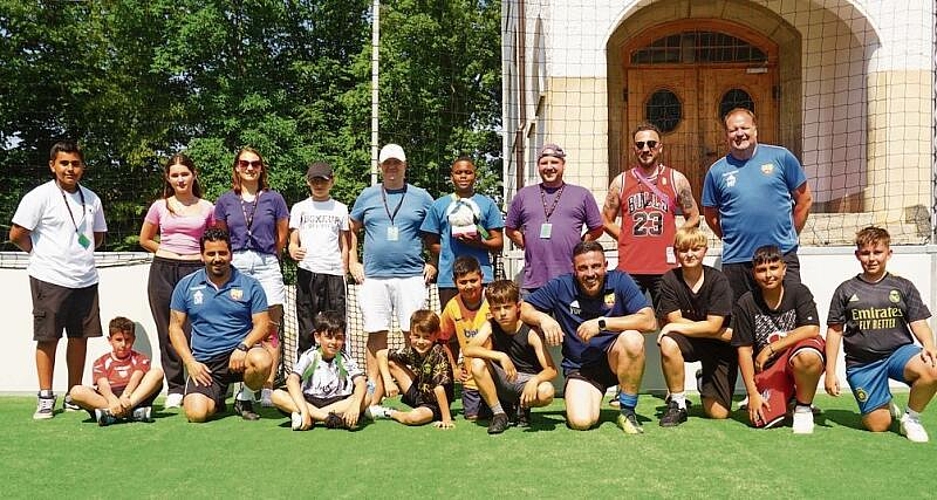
650	144
243	164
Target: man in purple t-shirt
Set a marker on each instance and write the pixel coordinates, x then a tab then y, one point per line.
546	220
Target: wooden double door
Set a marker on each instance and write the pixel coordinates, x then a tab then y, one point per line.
688	102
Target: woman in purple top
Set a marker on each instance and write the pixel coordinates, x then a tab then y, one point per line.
179	217
257	219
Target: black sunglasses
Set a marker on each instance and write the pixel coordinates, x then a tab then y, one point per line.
650	144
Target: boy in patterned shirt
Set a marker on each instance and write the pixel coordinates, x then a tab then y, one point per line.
326	384
777	333
420	372
125	384
877	316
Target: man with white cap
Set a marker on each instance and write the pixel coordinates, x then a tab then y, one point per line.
393	277
546	220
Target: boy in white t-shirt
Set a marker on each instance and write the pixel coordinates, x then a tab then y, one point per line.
326	384
319	242
59	224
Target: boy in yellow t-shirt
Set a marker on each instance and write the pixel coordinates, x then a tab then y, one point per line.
460	320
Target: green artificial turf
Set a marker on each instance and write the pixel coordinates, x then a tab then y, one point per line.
71	456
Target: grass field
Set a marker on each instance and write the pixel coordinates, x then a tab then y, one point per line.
70	456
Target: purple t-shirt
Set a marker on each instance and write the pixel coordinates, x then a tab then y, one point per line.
270	207
546	258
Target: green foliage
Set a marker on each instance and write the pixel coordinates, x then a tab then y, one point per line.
135	81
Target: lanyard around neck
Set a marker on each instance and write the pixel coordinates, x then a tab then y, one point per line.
81	195
399	203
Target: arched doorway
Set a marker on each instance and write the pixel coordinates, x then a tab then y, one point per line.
685	75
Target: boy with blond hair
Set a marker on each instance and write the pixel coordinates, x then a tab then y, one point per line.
326	384
421	373
125	384
510	362
877	316
695	307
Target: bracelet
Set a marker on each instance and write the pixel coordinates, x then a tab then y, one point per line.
772	349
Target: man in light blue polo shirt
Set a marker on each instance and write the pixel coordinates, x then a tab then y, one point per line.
228	313
600	318
756	195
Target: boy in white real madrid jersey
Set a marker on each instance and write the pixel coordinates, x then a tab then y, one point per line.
877	316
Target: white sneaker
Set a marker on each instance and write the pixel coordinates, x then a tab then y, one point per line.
266	397
743	404
913	430
173	400
803	422
375	412
45	408
296	421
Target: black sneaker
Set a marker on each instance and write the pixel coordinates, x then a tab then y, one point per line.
523	416
498	423
245	409
674	416
334	421
68	405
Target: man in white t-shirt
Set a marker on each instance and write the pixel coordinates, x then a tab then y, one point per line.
59	224
319	243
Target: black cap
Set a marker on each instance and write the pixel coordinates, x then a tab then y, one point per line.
319	169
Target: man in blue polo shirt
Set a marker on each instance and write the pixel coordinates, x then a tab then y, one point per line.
228	313
754	196
600	318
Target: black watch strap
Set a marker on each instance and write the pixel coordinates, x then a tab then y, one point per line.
242	347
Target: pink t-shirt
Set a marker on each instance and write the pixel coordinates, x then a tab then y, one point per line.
180	233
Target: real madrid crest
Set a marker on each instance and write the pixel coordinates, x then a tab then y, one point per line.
894	296
767	168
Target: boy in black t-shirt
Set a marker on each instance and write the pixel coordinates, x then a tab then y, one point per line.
777	333
877	316
510	362
695	306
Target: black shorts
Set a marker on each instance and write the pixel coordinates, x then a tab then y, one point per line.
221	377
323	402
57	307
599	374
720	366
650	284
445	295
414	399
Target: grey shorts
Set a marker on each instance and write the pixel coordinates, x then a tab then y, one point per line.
57	307
508	392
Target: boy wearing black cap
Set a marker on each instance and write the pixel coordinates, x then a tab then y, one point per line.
319	242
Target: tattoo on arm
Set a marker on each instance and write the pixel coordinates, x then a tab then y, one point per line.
686	199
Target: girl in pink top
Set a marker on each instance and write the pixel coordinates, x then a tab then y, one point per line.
179	217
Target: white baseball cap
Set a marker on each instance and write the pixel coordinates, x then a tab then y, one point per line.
392	151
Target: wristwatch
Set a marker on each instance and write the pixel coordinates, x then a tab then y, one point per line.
602	324
242	347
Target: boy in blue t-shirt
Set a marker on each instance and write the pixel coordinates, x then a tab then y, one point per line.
877	316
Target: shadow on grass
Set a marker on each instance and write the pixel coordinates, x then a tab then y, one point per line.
845	418
547	420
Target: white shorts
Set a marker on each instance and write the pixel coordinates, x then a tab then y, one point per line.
265	268
380	298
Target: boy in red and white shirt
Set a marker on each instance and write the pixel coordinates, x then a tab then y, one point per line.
125	384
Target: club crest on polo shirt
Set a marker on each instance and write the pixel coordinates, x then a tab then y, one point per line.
610	300
237	294
729	178
198	297
574	308
767	168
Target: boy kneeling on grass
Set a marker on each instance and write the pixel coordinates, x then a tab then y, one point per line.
419	371
877	316
777	333
510	362
326	384
125	384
